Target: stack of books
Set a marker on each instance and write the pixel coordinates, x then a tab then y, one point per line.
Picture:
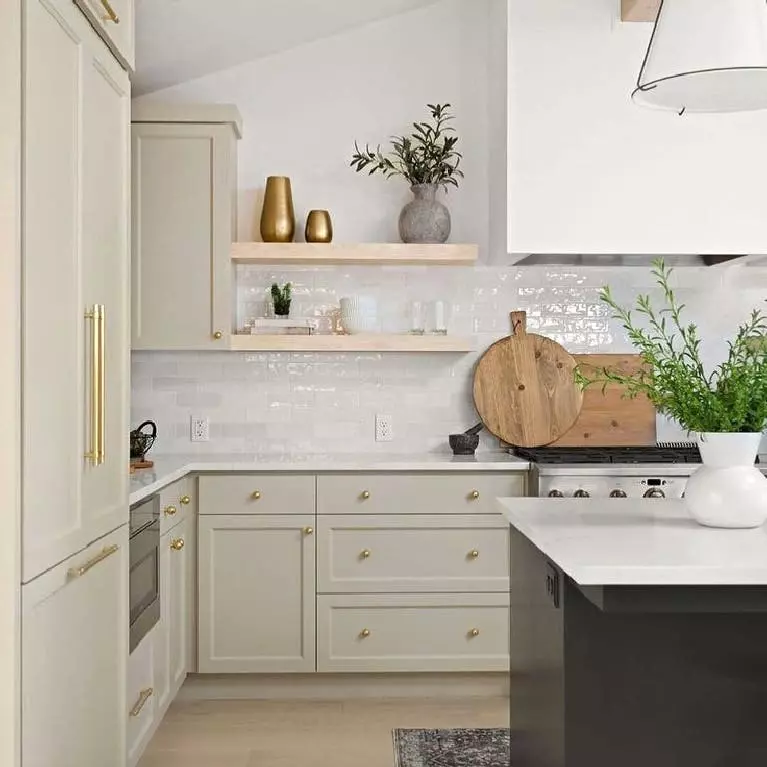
282	327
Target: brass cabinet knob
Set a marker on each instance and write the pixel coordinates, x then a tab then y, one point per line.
474	554
365	554
177	544
185	500
365	633
170	511
256	495
308	531
474	495
365	495
218	335
474	633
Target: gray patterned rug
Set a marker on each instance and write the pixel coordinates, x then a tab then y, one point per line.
451	748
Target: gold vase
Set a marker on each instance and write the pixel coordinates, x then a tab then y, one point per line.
278	219
319	227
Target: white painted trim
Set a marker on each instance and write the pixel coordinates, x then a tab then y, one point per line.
10	341
342	686
151	112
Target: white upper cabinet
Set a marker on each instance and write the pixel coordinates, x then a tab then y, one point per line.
114	20
184	214
591	172
75	241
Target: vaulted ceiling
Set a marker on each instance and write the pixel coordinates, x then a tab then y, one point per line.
179	40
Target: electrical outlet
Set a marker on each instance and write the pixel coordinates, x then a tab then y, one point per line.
200	429
384	428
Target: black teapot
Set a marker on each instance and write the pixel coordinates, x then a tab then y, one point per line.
141	441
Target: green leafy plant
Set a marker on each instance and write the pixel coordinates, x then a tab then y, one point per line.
731	398
427	156
281	298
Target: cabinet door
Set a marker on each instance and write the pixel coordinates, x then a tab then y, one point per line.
76	101
256	594
181	552
74	652
183	213
114	20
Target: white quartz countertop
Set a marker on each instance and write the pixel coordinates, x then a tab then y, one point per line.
168	469
638	542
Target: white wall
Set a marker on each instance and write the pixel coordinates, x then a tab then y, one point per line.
590	172
303	110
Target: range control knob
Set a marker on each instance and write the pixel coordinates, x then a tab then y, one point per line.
655	492
618	494
581	494
556	494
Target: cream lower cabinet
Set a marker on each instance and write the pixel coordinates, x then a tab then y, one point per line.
256	602
74	645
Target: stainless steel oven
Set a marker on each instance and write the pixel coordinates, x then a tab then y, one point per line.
144	569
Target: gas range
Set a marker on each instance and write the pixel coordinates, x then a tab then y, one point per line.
655	471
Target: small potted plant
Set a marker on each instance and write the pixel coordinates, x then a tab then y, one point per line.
428	161
281	297
726	407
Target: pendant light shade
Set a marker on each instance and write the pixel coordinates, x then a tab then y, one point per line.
706	56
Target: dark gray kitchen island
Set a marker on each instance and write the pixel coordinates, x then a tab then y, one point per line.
638	638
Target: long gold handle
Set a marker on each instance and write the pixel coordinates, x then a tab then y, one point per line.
78	572
101	319
93	454
111	15
141	702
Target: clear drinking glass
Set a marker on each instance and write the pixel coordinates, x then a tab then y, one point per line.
438	317
417	318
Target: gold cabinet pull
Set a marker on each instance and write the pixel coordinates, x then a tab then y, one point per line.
308	531
96	453
141	702
365	554
169	511
110	12
365	495
256	495
474	633
185	500
474	554
365	633
218	335
177	544
474	495
78	572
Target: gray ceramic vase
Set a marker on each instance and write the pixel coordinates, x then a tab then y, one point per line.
424	220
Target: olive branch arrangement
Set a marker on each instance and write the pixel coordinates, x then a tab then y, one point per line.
732	398
427	156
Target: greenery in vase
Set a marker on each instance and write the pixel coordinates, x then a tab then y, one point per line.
731	398
427	156
281	299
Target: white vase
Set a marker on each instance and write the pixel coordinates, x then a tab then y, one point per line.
728	490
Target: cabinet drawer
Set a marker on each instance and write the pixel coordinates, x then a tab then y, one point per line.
415	632
257	494
416	553
177	502
431	493
141	701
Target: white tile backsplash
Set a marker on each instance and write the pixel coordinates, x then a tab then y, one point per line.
326	403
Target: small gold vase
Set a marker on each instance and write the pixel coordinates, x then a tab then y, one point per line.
319	227
278	219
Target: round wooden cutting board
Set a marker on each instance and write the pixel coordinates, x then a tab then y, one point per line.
524	388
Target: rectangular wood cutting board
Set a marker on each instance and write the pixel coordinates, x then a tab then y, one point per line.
608	419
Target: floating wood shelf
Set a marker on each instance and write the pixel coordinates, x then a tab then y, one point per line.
370	342
302	253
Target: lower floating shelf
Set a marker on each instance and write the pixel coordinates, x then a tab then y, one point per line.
369	342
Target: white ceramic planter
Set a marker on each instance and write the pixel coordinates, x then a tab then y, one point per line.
727	490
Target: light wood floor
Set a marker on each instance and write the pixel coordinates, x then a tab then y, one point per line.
354	733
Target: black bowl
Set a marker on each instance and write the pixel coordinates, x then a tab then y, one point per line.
464	444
